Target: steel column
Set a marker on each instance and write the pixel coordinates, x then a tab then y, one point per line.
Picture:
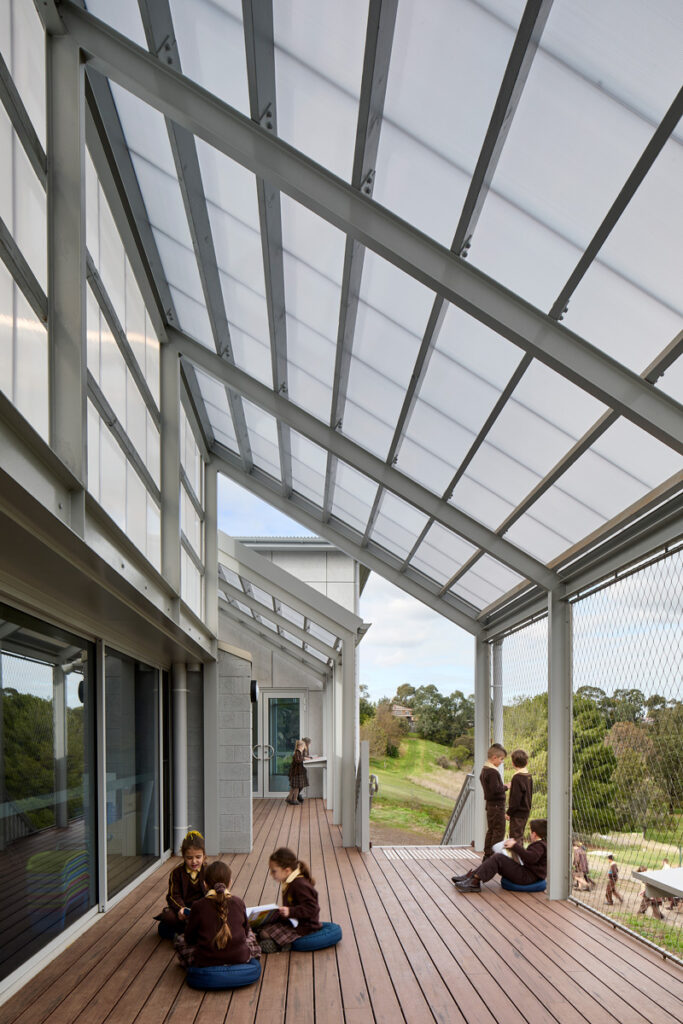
559	747
482	733
497	695
67	361
211	781
211	547
180	790
170	469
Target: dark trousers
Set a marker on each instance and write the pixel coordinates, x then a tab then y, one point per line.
495	833
501	864
517	826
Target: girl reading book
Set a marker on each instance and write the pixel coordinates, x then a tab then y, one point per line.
300	902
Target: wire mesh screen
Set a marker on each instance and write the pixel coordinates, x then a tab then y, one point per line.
524	664
628	748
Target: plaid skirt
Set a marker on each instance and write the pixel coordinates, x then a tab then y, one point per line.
298	776
281	931
185	953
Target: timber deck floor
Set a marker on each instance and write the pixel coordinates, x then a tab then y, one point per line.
413	950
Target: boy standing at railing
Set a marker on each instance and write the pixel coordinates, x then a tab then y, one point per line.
521	792
494	795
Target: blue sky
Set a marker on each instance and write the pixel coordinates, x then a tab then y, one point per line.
408	642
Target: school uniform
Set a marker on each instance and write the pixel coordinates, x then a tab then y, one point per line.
611	889
184	889
494	795
519	802
203	925
533	868
298	776
301	898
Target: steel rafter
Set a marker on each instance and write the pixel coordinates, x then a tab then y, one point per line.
29	285
297	508
654	147
276	617
260	53
160	34
378	45
392	238
653	372
510	93
21	122
274	640
365	462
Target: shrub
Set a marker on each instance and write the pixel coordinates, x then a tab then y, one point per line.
462	754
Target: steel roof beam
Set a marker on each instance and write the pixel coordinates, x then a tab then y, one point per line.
329	197
27	282
260	52
365	462
653	372
273	616
274	640
21	122
516	73
160	34
262	486
378	44
654	147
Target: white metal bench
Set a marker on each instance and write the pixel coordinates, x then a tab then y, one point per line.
665	882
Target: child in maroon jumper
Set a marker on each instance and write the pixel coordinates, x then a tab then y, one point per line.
217	932
185	885
533	866
300	901
521	792
494	796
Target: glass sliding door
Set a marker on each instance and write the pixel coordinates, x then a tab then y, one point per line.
132	730
277	723
47	784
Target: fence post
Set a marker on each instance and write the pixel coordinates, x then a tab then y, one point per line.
559	747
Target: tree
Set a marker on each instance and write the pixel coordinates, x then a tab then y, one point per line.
442	719
404	694
366	709
594	764
384	731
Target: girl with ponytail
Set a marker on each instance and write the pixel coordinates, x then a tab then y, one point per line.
185	885
217	932
300	902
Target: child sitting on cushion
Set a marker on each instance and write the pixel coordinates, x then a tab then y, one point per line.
533	865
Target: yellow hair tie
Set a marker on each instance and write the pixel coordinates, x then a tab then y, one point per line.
194	832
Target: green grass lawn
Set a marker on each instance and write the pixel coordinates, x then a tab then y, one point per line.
402	802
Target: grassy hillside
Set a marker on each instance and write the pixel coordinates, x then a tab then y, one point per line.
414	792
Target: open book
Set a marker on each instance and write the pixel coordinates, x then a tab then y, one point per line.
499	848
258	916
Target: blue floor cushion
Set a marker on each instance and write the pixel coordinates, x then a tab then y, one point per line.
538	886
224	976
328	934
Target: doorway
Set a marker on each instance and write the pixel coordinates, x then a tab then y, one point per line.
279	719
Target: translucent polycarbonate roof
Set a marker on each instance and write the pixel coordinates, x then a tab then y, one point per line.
541	143
283	622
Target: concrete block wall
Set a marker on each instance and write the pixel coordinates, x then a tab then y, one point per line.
234	754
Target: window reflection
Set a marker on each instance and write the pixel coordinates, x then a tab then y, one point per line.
132	730
47	819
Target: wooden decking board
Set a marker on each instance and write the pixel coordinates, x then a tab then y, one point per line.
519	983
443	980
467	976
548	959
635	953
406	961
638	985
414	950
351	973
536	966
383	997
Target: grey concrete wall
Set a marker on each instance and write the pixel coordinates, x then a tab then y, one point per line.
195	751
234	754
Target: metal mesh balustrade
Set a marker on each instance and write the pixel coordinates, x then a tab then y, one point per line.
524	664
628	745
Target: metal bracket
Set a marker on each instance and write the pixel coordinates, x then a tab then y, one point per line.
368	183
267	118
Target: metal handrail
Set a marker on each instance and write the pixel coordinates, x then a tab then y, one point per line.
461	800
